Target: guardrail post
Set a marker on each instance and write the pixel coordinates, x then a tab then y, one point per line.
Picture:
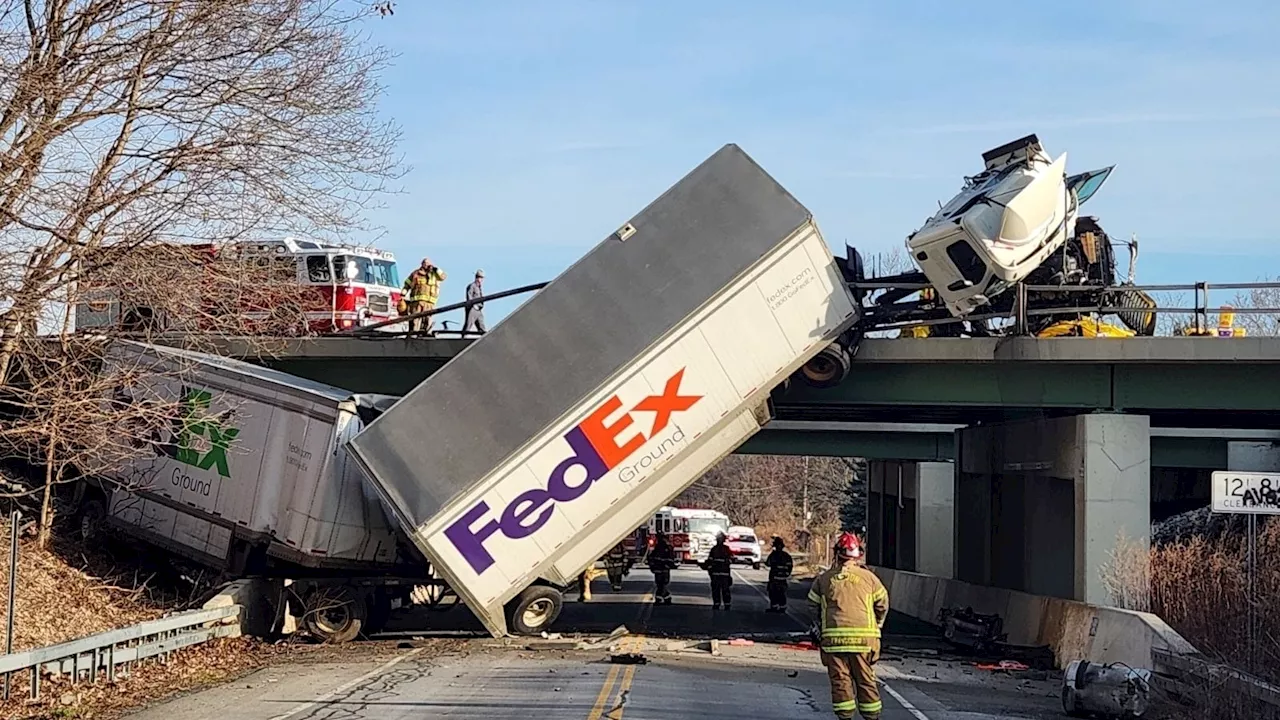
14	519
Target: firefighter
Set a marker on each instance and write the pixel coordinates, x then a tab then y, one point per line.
422	290
719	565
780	567
662	560
615	564
475	313
851	605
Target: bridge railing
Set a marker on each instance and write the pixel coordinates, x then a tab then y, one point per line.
1021	309
463	306
86	659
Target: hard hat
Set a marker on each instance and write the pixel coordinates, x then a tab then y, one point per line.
777	542
426	261
479	273
848	547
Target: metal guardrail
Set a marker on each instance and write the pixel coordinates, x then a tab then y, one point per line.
86	658
1184	666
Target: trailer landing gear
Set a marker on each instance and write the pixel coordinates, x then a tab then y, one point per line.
533	610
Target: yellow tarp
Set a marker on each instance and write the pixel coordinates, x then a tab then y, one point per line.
1084	327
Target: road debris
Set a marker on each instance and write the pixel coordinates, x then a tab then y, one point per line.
1003	666
740	642
629	659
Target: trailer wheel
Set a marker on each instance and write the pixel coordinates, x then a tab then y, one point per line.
828	368
534	610
93	511
335	614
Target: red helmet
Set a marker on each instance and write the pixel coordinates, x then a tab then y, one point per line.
848	547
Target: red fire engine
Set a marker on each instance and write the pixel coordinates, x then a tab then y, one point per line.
665	521
352	286
357	286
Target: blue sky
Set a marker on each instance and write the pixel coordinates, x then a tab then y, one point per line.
534	129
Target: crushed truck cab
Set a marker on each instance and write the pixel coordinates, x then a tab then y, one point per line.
547	441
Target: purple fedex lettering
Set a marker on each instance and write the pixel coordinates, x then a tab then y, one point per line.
530	510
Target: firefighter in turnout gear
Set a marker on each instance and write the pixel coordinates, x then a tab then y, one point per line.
719	565
661	561
851	604
615	564
421	291
780	567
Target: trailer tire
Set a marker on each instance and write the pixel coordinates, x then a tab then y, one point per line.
534	610
335	614
828	368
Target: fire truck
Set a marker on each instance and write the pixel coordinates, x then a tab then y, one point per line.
353	286
665	520
357	286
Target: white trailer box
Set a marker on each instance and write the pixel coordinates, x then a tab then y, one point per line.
545	442
259	461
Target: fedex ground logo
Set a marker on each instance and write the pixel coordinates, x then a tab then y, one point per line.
596	447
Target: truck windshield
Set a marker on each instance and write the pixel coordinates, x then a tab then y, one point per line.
705	525
367	271
385	272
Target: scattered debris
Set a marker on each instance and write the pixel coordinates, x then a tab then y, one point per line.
740	642
1002	666
802	645
793	673
971	630
551	636
629	659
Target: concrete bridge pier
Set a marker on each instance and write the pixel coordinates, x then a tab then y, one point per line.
1041	504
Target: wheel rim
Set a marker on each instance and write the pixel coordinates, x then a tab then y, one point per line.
538	612
333	620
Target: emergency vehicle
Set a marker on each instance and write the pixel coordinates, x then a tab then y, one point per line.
352	286
356	286
702	525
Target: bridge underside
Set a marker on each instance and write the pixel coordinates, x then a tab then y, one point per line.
898	385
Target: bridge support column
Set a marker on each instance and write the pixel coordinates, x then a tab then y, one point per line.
910	516
1040	504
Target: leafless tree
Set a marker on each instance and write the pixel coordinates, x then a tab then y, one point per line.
140	138
127	123
772	492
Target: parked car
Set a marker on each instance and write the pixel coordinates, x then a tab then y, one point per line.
744	546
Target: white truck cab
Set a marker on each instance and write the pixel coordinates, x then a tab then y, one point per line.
1004	223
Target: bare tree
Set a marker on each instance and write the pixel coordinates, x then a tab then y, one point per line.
772	492
140	138
1264	324
126	123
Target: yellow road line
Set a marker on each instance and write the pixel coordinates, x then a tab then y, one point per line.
631	643
598	708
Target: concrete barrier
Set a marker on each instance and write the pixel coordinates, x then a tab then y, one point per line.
1074	630
261	600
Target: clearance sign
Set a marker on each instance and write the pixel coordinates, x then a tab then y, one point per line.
596	448
1247	493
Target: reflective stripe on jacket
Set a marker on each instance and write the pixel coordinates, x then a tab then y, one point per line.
422	286
720	561
853	604
780	565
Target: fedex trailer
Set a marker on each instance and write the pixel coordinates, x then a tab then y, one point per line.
544	443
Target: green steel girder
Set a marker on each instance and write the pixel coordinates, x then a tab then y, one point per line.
1102	386
1181	452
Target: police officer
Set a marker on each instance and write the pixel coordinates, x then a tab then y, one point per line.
719	565
851	605
780	567
661	561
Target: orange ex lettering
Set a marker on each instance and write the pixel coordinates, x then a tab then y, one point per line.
595	450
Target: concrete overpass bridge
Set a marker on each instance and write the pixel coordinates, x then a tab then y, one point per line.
1008	462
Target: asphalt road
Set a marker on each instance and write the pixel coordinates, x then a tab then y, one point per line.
681	681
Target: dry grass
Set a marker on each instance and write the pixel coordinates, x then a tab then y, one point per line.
66	592
59	601
1199	587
